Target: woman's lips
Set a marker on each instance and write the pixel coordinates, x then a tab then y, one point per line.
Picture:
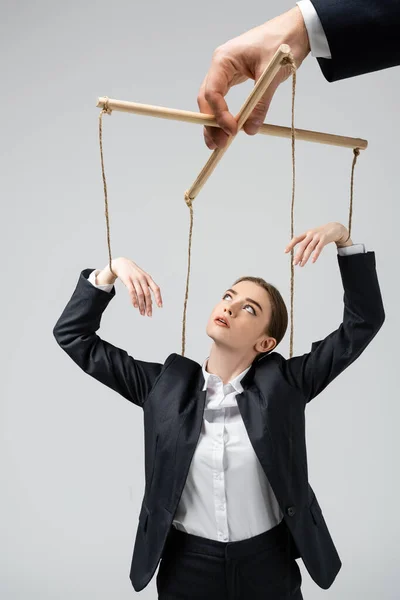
220	323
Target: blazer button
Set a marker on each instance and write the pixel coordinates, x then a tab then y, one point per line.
291	511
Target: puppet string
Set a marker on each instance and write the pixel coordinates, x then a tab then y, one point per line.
189	202
289	60
356	153
106	110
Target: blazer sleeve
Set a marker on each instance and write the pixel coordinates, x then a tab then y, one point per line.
363	316
363	36
75	333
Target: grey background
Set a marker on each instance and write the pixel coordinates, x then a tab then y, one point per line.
71	450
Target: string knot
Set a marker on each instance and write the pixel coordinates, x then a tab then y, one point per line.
289	60
188	199
106	108
356	151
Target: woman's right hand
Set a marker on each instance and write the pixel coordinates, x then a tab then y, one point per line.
139	283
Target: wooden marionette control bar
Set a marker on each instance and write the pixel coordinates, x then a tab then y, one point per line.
175	114
204	119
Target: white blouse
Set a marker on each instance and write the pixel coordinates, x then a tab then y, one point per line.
227	496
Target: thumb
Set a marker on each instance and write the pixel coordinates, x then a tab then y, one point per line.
257	117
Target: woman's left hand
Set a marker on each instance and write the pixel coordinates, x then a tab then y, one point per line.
315	239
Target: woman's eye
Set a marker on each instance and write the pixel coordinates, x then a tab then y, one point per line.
247	305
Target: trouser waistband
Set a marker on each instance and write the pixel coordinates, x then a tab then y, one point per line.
278	535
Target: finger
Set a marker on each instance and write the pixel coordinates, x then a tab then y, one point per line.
302	247
217	85
132	292
295	240
140	295
216	135
257	117
131	289
292	243
213	136
318	250
156	290
310	248
211	99
209	142
147	296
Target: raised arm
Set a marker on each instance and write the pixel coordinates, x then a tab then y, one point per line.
363	316
75	332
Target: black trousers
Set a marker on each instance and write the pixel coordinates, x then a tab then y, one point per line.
198	568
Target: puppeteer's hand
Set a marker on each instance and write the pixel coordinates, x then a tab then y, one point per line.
315	239
246	57
138	282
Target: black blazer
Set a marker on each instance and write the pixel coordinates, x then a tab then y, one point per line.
276	391
363	36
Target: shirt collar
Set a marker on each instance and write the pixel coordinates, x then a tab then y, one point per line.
235	382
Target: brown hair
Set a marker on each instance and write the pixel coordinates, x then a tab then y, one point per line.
277	326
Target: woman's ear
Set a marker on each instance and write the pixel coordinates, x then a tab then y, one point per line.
272	343
266	345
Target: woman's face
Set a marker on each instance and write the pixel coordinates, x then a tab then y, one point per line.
246	308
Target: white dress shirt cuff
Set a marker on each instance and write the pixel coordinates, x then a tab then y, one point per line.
92	278
354	249
316	35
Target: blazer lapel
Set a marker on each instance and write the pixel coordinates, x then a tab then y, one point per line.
255	418
188	435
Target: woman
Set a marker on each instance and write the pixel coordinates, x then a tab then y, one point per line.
227	503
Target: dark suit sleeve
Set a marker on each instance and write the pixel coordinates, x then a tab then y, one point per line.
363	316
363	36
75	332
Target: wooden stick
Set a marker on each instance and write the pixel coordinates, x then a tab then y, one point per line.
255	95
197	118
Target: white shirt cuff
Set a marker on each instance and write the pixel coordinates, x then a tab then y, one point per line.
316	35
354	249
92	278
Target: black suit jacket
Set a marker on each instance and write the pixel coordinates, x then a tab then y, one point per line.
363	36
276	392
